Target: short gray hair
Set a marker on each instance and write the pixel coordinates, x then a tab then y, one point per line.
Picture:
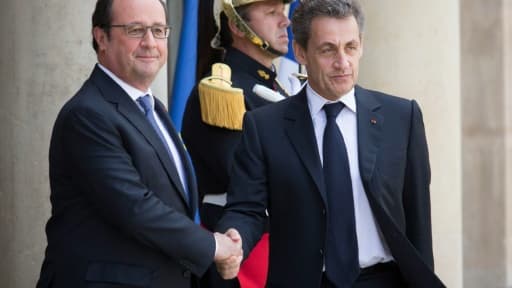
308	10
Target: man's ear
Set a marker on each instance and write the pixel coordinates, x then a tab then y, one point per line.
362	47
101	38
300	53
234	29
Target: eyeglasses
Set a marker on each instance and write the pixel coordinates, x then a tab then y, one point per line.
136	30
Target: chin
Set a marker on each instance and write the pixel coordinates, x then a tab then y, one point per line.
282	51
147	74
284	47
152	68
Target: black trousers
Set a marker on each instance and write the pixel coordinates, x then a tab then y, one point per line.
382	275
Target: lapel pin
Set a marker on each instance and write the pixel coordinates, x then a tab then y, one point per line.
373	121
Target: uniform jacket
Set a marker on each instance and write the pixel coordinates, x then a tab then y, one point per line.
277	166
119	214
211	148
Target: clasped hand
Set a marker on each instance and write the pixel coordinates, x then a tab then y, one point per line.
229	253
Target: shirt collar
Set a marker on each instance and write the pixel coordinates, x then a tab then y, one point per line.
317	102
133	92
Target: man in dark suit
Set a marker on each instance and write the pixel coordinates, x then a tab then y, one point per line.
347	192
122	190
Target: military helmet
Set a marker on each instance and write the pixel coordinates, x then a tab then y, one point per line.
237	3
228	7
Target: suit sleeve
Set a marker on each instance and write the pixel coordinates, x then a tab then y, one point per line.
112	184
416	189
247	193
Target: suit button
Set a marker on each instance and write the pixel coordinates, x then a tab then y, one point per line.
321	251
186	273
323	211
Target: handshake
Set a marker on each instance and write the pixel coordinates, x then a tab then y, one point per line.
229	253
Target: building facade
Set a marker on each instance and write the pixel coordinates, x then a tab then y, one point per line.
454	57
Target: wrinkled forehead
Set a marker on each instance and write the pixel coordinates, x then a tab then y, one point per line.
333	30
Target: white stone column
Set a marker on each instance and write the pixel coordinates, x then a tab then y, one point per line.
507	49
45	55
484	142
412	49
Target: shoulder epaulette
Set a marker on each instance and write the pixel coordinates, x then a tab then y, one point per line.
221	105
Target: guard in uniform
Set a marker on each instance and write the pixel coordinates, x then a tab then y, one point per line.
252	34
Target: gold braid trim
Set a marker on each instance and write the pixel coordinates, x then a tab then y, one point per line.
221	105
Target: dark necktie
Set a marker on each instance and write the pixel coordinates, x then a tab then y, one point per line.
341	255
145	103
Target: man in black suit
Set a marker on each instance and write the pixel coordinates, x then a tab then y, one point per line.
123	192
347	192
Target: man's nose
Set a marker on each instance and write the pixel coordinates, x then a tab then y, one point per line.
285	22
148	39
341	60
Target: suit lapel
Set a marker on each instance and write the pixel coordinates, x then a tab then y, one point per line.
187	164
301	133
299	128
126	107
369	131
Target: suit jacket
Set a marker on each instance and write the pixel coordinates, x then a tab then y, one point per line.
119	213
277	166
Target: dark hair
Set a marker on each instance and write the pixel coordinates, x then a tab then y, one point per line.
206	29
307	10
225	33
102	17
206	55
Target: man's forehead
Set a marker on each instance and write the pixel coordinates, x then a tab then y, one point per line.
334	30
237	3
135	10
336	42
265	4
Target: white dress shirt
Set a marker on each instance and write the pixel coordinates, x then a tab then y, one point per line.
372	246
135	93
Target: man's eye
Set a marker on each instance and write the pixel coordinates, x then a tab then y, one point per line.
158	30
138	30
351	50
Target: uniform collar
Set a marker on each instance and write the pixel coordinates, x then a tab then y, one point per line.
241	62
